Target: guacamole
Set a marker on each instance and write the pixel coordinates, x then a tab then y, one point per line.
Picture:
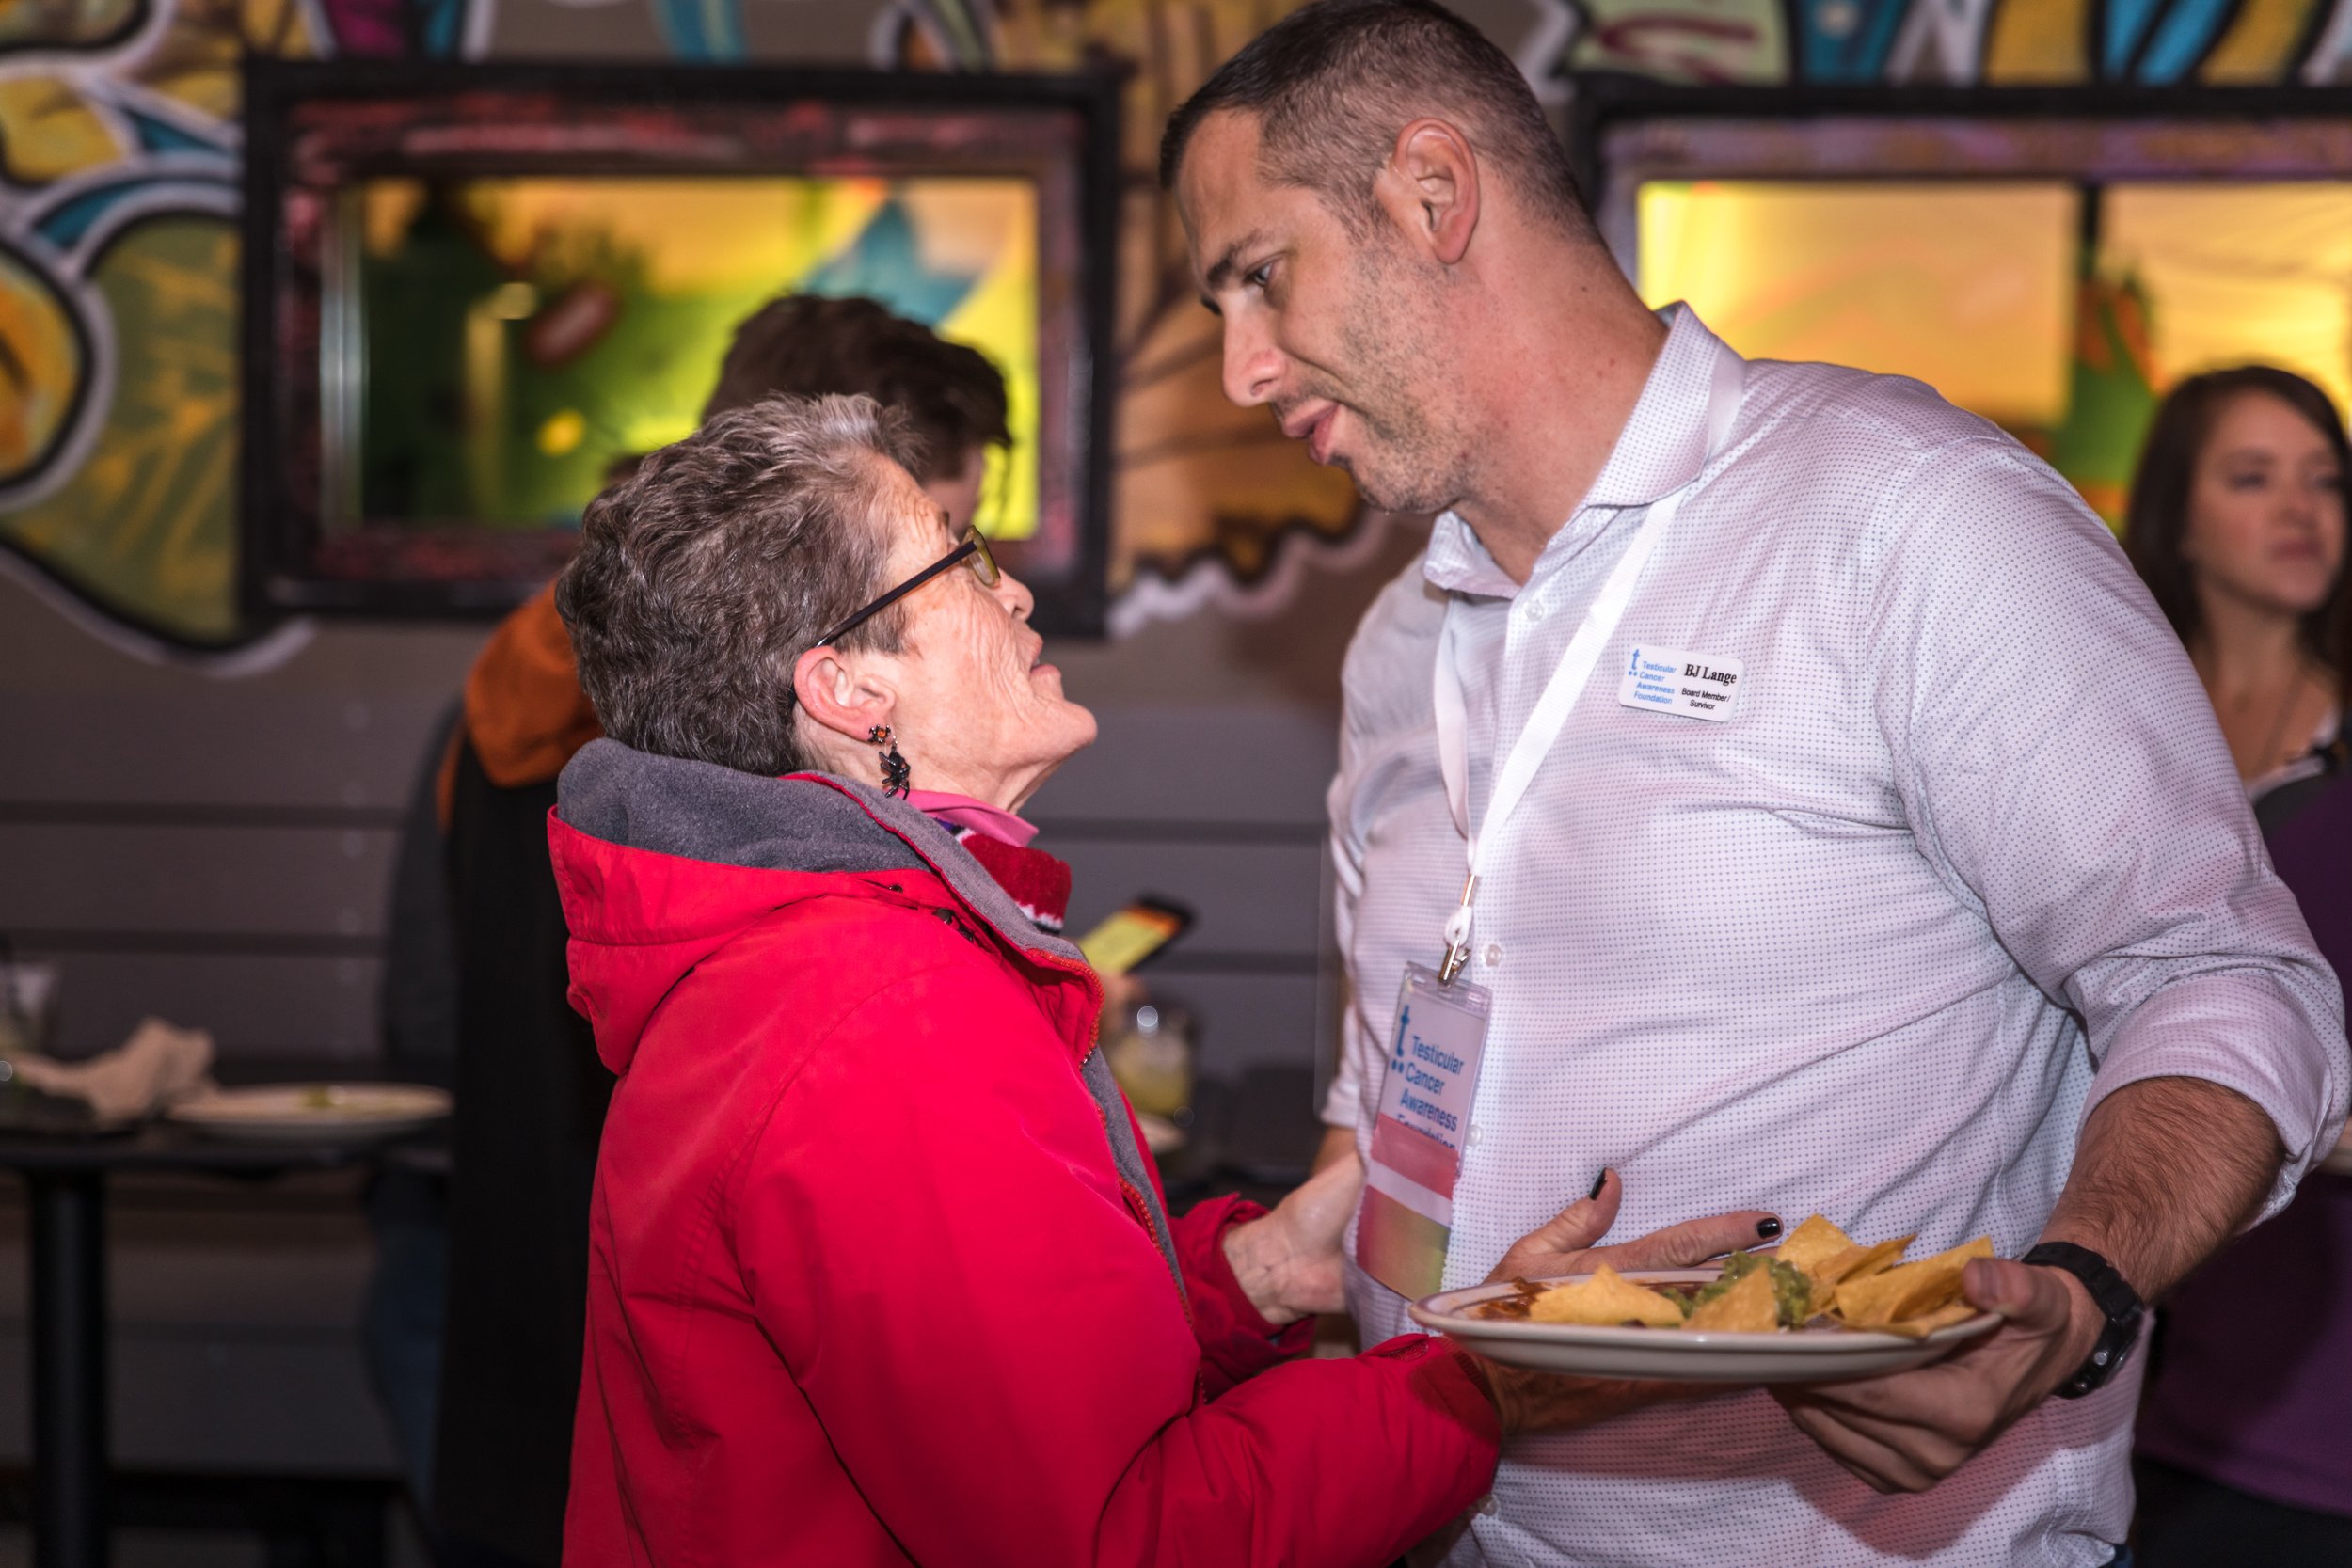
1792	1290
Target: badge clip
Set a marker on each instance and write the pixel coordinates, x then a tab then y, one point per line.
1458	928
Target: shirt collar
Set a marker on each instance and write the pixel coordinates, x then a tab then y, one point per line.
1661	448
962	810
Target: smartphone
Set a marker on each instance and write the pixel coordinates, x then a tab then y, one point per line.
1123	943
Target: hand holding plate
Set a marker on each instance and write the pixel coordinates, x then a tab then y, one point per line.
1905	1431
1563	1245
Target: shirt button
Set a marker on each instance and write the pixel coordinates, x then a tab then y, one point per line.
1487	1505
1493	954
1472	1135
1534	610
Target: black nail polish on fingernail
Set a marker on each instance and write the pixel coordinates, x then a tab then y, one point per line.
1598	1183
1768	1228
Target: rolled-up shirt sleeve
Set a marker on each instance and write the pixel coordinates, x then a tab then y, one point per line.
2061	768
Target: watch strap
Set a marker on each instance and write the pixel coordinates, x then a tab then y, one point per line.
2117	1302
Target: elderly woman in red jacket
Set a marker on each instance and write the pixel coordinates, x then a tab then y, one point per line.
880	1272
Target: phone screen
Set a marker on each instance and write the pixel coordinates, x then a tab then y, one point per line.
1134	934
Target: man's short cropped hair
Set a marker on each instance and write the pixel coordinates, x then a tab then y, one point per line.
1332	84
808	345
702	579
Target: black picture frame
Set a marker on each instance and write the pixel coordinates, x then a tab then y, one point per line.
279	555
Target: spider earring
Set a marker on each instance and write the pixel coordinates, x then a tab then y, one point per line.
894	770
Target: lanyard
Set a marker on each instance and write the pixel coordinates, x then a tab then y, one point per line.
1568	681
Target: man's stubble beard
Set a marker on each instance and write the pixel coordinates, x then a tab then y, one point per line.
1412	457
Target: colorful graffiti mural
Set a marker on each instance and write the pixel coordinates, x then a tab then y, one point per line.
1991	42
117	173
118	293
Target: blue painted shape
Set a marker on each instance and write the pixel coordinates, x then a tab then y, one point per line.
884	263
2125	23
2181	39
161	136
1847	41
68	223
702	31
64	225
441	28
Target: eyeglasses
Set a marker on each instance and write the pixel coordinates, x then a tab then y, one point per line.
971	551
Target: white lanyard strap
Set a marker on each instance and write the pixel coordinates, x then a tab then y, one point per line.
1568	681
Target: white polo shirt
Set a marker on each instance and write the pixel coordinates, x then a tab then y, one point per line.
1968	855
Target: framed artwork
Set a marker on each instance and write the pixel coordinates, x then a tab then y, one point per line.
471	290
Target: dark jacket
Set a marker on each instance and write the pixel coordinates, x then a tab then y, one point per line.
530	1100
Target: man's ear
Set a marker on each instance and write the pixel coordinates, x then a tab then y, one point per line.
842	692
1430	188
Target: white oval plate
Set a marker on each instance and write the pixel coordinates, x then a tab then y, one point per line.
1679	1355
308	1113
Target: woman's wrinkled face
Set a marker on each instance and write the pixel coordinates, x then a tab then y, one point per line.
978	711
2265	512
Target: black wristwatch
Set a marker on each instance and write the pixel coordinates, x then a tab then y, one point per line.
2117	1302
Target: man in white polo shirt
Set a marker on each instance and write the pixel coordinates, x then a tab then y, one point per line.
1849	831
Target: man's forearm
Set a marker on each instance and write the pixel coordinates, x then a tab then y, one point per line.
2166	1170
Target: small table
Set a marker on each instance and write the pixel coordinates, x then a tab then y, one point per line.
67	1178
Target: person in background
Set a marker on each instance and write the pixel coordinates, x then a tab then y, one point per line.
2236	524
407	1203
531	1095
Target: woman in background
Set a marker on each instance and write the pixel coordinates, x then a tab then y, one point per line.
2237	525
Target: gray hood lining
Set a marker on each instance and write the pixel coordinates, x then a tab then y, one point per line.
700	811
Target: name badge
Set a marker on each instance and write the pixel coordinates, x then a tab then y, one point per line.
1667	680
1426	1098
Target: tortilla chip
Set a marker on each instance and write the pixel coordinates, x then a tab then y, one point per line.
1907	1290
1812	1242
1750	1307
1942	1317
1605	1300
1857	1263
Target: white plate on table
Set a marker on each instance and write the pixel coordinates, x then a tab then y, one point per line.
308	1113
1678	1355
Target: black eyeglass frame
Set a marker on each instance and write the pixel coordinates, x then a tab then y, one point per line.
985	568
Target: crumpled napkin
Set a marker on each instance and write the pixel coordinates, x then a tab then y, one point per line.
157	1065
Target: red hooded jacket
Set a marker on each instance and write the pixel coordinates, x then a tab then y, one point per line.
879	1274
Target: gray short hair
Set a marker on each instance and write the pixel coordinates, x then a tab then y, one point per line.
1334	83
702	578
